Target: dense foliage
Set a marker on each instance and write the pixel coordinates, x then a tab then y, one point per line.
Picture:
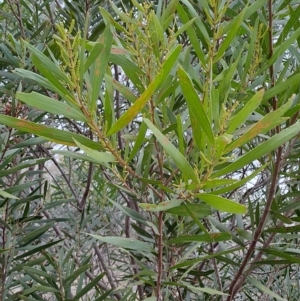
149	151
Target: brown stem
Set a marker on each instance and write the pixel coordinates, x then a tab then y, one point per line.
260	227
159	257
18	15
62	173
105	268
118	108
88	184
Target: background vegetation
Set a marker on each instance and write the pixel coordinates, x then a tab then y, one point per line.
149	151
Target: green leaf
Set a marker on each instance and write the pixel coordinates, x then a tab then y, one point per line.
197	260
52	72
7	195
283	229
23	165
38	249
261	150
281	254
100	65
40	288
212	237
89	286
39	272
199	210
130	212
50	105
202	289
163	206
264	289
244	113
27	239
222	203
239	183
97	48
199	119
136	108
74	155
191	33
173	152
36	77
281	87
51	134
99	157
126	243
235	27
77	273
265	124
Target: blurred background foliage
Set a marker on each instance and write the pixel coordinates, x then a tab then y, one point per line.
149	151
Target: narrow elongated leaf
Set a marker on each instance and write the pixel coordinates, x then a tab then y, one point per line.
173	152
52	72
191	33
97	48
239	183
265	124
142	100
261	150
199	210
235	27
281	87
196	220
197	260
222	203
199	119
36	77
244	113
264	289
100	65
34	234
7	195
74	155
123	242
284	229
40	288
51	134
130	212
77	273
50	105
163	206
200	238
53	69
39	272
100	157
22	165
202	289
282	254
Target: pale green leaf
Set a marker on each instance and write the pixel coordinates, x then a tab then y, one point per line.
222	203
173	152
123	242
50	105
264	289
199	118
163	206
100	157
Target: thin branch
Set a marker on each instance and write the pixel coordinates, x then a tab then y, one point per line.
88	184
117	99
160	256
274	183
76	260
62	173
17	15
105	268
